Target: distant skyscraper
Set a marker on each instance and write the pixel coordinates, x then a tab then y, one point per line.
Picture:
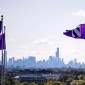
57	53
31	61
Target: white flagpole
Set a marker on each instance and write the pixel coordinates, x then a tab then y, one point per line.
4	58
2	76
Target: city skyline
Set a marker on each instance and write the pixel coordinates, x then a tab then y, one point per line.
35	28
52	62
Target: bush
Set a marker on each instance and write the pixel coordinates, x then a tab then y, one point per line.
68	81
78	82
53	83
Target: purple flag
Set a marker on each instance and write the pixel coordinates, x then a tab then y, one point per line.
78	32
2	40
0	26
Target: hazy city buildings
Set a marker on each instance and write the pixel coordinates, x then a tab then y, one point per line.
52	62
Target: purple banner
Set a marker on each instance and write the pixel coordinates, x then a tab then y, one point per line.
78	32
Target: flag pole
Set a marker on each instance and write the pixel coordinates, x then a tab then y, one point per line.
4	56
2	70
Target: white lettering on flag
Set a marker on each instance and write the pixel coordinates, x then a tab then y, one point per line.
77	32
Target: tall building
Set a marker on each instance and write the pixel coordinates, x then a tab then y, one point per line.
57	53
31	61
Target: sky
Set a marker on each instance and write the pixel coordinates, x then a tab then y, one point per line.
35	28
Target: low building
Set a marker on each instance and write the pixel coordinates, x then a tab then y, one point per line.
32	79
37	78
51	76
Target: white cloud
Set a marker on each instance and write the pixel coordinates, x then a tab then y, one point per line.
12	40
42	42
79	13
24	46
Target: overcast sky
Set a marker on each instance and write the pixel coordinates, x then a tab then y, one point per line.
35	27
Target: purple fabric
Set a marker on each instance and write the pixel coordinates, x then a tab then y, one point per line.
68	33
2	46
81	27
0	26
83	31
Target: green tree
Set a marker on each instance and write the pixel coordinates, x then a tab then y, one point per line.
68	81
63	78
53	83
78	82
9	81
25	83
40	83
80	77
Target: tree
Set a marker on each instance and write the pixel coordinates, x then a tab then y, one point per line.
25	83
40	83
78	82
80	77
9	81
68	81
53	83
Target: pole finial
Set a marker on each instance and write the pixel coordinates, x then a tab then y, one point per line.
2	17
4	27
